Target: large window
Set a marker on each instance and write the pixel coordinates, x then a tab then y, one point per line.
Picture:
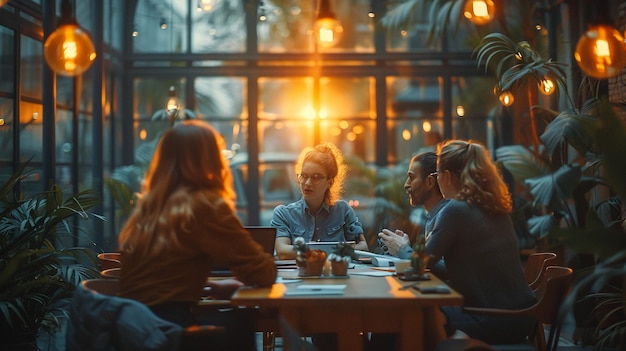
379	96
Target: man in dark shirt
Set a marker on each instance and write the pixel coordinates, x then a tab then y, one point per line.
423	190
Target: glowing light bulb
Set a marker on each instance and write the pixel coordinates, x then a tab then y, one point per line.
547	86
328	31
600	52
69	51
479	12
506	98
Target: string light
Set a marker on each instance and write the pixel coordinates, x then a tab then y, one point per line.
547	86
506	98
479	12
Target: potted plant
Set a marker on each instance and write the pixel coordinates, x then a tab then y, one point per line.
573	178
340	258
34	273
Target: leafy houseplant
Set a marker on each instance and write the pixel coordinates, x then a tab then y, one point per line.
340	258
576	168
34	274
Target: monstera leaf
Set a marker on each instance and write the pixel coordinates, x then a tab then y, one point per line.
549	190
522	162
540	226
572	127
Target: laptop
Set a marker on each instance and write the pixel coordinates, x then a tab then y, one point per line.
265	236
326	246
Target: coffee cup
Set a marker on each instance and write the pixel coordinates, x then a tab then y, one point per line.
401	266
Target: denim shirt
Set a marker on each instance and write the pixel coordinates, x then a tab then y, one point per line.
331	223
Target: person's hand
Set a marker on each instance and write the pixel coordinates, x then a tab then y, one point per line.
222	289
394	240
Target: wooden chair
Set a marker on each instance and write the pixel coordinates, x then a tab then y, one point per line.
536	265
108	260
191	337
111	273
554	286
552	289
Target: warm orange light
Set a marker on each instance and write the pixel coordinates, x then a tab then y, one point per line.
69	50
328	31
547	86
406	134
426	126
479	12
327	28
460	111
3	2
207	5
600	52
506	98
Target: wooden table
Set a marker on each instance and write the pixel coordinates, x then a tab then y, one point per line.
369	304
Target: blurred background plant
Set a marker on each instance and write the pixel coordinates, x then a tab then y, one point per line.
37	269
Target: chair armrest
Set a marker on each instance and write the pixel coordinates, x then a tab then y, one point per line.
493	311
197	330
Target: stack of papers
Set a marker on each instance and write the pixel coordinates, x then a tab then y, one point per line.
315	289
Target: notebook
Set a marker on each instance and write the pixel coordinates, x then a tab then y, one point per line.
266	236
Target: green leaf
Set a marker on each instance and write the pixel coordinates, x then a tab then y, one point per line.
571	127
522	162
553	189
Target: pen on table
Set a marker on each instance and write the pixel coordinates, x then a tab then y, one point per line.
409	286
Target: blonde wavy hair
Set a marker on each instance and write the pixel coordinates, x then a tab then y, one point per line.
331	159
187	170
481	182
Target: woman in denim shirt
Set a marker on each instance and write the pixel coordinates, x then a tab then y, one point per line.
318	215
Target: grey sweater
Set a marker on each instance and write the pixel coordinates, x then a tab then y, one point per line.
481	256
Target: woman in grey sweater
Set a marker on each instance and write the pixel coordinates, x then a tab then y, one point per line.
475	236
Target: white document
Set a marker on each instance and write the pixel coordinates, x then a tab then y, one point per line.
316	289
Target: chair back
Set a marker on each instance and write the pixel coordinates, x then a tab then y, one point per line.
100	320
108	260
536	265
108	287
554	286
111	273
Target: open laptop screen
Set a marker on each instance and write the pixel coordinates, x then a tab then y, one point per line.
265	236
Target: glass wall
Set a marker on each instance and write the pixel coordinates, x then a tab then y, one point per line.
377	94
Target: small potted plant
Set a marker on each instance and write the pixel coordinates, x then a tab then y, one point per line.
309	262
340	259
300	247
419	258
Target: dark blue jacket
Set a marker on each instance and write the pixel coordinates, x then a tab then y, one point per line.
102	322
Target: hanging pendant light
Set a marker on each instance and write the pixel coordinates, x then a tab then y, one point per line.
600	52
173	106
328	29
207	5
69	50
479	12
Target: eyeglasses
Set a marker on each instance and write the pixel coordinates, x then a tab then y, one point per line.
434	174
315	178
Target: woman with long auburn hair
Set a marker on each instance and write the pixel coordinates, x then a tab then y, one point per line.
184	224
474	234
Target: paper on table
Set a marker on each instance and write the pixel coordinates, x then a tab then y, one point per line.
314	289
281	280
373	273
